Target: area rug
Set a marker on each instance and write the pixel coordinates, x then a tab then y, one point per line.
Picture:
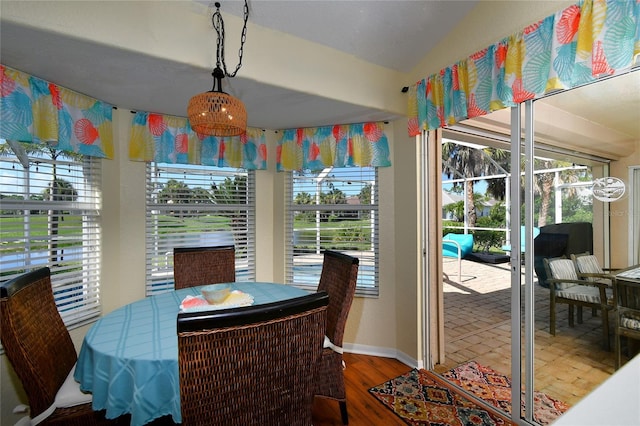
420	397
495	388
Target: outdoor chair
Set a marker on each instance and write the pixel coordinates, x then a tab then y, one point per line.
194	266
42	354
253	365
627	315
566	287
338	278
589	268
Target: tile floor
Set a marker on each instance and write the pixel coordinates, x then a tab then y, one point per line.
567	366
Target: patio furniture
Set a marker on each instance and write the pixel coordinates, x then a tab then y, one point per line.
338	278
588	267
566	287
536	232
194	266
42	354
627	286
561	239
458	246
547	246
252	365
133	350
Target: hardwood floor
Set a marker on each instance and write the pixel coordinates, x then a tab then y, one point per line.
362	373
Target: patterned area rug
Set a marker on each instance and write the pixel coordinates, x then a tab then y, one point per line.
421	397
495	388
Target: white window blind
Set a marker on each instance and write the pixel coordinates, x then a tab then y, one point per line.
50	205
335	209
197	206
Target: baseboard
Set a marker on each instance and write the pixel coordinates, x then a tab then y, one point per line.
383	352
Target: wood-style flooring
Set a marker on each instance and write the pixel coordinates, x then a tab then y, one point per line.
362	373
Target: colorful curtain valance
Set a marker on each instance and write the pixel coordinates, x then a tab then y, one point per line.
580	44
170	139
37	111
346	145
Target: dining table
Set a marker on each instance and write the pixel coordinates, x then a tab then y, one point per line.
129	357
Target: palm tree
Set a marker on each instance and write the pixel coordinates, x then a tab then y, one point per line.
544	183
470	162
499	161
58	190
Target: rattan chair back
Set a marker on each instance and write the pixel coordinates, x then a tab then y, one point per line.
194	266
39	347
34	337
252	365
338	279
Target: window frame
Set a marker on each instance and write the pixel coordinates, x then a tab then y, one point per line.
74	254
159	254
368	271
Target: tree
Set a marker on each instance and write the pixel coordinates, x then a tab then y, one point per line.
175	192
335	196
304	198
497	187
58	189
544	183
232	191
467	162
365	194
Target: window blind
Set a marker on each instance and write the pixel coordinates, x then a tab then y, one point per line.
50	206
197	206
336	209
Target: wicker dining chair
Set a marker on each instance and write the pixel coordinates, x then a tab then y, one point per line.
42	354
338	278
252	365
194	266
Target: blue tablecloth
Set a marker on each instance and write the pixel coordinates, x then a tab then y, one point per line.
129	358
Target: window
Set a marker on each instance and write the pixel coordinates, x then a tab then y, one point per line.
198	206
50	205
335	209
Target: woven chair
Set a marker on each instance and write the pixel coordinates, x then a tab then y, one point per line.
194	266
251	365
566	287
338	279
627	315
42	354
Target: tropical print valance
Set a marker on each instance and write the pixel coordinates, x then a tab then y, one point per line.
170	139
580	44
346	145
37	111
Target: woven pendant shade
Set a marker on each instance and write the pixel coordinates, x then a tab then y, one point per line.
217	114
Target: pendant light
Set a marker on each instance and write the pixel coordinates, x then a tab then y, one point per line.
215	112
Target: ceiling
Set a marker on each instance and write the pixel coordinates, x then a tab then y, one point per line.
395	34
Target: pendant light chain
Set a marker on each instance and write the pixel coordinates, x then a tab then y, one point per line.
218	24
215	112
